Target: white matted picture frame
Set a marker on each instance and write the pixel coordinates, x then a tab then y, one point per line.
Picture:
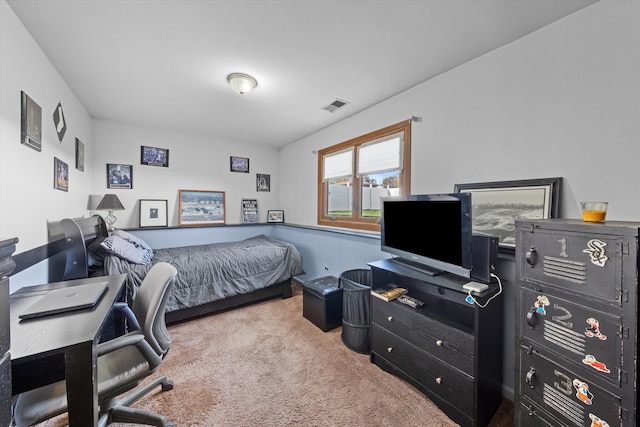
275	216
497	205
153	213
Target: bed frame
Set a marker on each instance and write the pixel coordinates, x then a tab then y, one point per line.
80	233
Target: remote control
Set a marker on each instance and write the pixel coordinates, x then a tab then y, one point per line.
410	301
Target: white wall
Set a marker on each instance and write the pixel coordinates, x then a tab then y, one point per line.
563	101
28	201
195	163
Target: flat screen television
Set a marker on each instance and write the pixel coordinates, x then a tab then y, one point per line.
430	231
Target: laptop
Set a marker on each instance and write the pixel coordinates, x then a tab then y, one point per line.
66	299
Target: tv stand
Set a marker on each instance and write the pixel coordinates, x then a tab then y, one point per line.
448	349
418	267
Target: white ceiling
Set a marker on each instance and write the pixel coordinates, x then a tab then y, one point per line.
163	64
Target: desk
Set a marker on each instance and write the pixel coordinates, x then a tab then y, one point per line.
62	346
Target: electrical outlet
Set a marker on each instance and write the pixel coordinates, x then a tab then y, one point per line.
326	268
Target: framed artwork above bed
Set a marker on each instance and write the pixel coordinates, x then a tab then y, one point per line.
201	207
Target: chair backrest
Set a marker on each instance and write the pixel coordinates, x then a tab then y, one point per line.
150	302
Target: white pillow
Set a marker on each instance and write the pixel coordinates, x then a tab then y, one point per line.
127	250
131	238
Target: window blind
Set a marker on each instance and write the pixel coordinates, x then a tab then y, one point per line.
338	164
380	156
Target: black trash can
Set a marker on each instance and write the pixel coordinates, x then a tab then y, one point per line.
356	298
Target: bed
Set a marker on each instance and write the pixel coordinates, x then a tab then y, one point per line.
211	277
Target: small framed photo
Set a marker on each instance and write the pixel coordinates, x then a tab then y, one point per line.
31	123
239	164
60	175
201	207
119	176
263	182
153	213
79	155
153	156
275	216
250	211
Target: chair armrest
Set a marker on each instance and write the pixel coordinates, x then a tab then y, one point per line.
124	309
136	339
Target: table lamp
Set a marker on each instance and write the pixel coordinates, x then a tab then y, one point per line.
110	202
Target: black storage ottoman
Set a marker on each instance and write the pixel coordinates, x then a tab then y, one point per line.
322	302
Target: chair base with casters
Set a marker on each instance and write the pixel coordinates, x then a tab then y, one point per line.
122	363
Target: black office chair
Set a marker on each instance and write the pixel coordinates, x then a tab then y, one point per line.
122	362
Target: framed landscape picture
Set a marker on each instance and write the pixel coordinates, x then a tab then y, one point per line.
153	213
275	216
239	164
201	207
497	205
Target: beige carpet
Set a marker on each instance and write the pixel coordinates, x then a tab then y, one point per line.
266	365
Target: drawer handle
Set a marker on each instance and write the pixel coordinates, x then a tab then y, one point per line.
531	378
532	257
390	318
439	380
389	349
439	343
532	318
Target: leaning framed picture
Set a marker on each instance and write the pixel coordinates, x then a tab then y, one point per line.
201	207
60	175
497	205
250	211
239	164
153	213
275	216
153	156
31	123
119	176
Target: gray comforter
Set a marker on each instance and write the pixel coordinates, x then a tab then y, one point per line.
215	271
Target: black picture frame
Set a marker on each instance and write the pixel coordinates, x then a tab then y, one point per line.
79	155
153	213
250	213
119	176
496	205
275	216
30	122
154	156
239	164
60	175
263	182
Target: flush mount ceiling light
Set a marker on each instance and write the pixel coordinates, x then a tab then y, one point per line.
241	83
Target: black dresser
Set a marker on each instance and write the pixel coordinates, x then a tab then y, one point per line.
7	247
576	315
450	349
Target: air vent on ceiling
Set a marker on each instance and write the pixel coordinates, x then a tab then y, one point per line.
338	103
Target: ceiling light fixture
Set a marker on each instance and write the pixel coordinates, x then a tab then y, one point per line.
241	83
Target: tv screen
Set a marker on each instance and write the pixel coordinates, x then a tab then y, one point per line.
432	230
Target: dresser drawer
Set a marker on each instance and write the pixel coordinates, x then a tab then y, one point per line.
439	340
587	337
439	378
565	394
529	414
581	263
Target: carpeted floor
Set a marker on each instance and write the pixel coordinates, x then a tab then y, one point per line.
265	365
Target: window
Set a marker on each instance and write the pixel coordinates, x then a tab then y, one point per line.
353	175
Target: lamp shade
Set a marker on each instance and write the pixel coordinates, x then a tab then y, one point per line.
241	83
110	202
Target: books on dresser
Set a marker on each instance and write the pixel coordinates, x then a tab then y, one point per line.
388	292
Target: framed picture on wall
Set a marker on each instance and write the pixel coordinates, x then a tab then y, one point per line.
263	182
153	213
201	207
79	155
239	164
60	175
31	123
250	211
153	156
119	176
497	205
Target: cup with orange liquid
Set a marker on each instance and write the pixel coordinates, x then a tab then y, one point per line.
594	211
